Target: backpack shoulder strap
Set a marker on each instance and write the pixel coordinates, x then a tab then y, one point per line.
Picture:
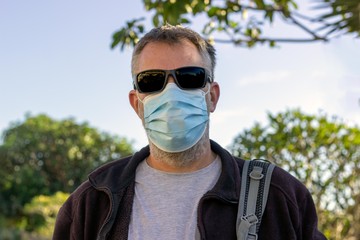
255	183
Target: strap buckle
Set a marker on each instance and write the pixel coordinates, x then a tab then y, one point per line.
250	219
252	236
256	173
247	227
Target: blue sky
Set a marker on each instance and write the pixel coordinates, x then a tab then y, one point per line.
55	58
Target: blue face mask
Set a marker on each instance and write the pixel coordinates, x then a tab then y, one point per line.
175	119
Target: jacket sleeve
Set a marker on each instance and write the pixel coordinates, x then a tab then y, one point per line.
309	220
63	223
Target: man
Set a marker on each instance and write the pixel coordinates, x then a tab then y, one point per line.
183	185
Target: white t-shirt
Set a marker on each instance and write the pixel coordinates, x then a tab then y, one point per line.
165	204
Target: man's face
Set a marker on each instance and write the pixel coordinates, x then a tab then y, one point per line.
164	56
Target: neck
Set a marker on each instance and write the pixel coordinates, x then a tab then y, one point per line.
193	159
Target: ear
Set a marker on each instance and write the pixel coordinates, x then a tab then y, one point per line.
134	101
214	95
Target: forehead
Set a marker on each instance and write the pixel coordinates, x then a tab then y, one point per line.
160	55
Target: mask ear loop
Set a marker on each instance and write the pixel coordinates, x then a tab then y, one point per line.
137	95
205	93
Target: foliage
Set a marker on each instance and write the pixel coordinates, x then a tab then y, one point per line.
344	16
41	213
10	234
323	153
244	23
41	156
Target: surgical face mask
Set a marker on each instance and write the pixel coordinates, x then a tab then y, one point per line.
175	119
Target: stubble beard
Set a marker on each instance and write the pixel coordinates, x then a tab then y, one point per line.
185	158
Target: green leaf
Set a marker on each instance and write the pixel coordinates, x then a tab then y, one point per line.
156	20
117	37
212	11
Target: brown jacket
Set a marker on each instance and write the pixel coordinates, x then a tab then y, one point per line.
101	207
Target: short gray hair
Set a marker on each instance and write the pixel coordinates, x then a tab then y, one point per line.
173	35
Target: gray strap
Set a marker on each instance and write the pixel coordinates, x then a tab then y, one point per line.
267	185
242	195
247	228
247	220
255	177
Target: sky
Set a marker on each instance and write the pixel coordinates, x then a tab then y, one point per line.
55	58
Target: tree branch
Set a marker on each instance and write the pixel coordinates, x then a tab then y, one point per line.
289	40
300	25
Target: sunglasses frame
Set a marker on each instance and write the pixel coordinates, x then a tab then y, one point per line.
208	78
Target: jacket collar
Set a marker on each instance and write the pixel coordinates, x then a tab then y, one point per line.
117	175
228	185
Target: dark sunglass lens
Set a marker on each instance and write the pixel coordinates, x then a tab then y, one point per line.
150	81
190	77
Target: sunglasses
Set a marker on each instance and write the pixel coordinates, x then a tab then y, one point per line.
186	78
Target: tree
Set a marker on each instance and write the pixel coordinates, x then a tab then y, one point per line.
41	214
41	156
245	23
322	153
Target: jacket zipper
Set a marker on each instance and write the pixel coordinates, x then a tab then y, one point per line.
103	230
